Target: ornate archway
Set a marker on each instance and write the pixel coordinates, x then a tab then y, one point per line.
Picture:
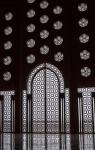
45	89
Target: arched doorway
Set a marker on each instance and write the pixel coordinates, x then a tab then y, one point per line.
45	89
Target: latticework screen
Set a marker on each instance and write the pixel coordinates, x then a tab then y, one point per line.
47	66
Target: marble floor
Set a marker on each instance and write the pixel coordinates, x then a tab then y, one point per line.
47	142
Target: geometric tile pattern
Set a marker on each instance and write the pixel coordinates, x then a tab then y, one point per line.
86	110
8	117
52	101
38	102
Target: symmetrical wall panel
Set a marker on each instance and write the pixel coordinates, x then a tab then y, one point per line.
46	108
41	44
86	110
7	112
38	103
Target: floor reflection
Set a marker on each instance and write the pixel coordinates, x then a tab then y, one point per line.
47	142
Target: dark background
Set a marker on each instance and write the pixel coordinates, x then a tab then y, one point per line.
71	47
